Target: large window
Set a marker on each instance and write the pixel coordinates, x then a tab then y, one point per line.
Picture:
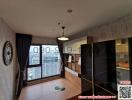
44	61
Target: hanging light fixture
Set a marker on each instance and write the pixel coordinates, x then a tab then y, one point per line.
63	38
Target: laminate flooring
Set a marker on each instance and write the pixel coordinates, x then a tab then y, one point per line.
47	91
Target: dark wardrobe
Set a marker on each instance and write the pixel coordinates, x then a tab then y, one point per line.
101	58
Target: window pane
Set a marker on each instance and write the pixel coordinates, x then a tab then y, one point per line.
34	55
34	73
50	60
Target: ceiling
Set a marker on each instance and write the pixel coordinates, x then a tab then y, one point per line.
41	17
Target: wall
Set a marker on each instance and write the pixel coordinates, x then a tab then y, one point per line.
120	28
43	40
7	72
116	29
73	46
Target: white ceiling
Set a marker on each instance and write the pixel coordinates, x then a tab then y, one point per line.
40	17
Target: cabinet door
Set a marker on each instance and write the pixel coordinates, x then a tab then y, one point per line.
100	63
111	63
86	69
130	57
86	59
105	65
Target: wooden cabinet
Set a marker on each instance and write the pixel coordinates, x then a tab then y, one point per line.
111	62
72	62
123	53
98	59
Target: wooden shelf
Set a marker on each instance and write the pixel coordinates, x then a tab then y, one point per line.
73	65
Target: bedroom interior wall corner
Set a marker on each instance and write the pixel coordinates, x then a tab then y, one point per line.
7	73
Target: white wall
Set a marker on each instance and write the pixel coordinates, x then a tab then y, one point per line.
73	46
7	73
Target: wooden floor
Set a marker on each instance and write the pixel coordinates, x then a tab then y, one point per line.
46	91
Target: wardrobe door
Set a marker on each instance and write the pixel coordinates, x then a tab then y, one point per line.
100	68
86	69
104	67
130	57
111	65
100	63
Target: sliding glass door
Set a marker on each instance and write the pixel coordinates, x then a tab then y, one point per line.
44	61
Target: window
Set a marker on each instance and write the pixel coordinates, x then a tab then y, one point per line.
34	73
44	61
50	60
34	55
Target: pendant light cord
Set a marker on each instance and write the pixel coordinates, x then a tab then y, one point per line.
63	27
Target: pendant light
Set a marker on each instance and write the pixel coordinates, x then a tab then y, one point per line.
63	38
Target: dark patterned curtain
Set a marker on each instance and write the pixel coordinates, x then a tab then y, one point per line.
60	46
23	43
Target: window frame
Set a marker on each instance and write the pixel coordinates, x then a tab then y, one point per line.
35	65
39	65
